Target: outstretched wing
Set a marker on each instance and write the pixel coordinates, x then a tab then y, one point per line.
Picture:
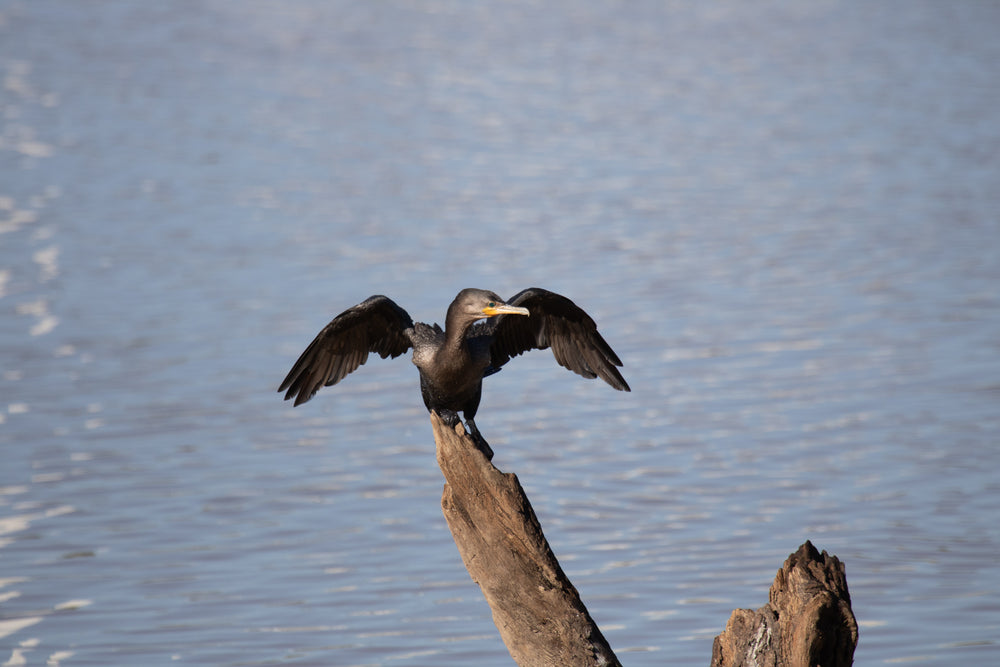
555	322
376	324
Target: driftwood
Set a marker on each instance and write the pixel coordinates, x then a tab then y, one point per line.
807	621
535	607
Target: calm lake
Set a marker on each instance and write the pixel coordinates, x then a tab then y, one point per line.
784	217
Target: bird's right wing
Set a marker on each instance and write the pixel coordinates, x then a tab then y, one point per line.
377	324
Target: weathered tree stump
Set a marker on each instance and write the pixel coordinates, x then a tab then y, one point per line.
807	621
537	610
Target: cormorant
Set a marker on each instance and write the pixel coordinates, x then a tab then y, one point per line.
453	362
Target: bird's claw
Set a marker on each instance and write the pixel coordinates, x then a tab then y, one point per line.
449	417
480	441
451	420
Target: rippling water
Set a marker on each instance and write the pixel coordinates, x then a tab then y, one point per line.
784	218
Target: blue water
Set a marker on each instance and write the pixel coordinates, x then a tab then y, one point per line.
784	218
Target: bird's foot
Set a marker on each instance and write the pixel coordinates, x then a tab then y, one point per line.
478	438
449	417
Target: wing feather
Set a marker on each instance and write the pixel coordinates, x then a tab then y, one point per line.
555	322
377	324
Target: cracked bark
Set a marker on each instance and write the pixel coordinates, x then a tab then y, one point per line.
536	608
807	621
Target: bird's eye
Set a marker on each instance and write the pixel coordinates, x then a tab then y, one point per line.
492	304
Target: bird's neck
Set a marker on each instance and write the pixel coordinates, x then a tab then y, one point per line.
454	337
455	330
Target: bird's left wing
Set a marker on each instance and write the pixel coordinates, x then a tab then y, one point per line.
377	324
554	321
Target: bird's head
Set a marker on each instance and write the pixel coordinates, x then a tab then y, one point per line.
476	304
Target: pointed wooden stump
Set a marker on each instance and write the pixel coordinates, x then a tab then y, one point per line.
807	621
537	610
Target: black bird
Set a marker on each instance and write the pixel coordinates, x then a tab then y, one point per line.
453	362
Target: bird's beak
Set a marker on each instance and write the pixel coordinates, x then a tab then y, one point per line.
504	309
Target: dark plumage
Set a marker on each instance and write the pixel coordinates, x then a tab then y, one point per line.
453	362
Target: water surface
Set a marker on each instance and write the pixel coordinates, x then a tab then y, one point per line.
783	218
